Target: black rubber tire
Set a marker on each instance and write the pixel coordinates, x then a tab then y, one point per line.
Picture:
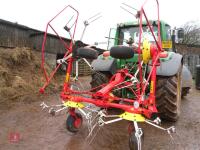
133	143
185	91
87	52
70	123
99	78
121	52
168	97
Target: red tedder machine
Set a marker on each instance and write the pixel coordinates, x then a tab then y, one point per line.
80	104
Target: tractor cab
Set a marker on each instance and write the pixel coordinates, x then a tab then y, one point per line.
128	33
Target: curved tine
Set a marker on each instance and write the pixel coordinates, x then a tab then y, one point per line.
94	16
127	11
129	6
95	19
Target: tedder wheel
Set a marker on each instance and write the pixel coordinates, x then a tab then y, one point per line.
133	142
168	96
73	123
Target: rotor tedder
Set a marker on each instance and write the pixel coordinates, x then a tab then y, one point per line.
94	104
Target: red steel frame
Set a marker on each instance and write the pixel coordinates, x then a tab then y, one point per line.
102	97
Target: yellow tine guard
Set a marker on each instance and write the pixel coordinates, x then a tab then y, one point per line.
132	117
73	104
146	54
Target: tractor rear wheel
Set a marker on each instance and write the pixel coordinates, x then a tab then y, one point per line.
99	78
168	97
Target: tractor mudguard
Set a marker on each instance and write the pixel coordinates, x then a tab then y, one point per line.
186	77
169	67
105	64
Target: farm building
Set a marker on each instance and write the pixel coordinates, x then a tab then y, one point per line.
191	56
16	35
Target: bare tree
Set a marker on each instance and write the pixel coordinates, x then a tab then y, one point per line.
191	33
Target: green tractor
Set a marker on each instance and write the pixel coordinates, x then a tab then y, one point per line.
173	78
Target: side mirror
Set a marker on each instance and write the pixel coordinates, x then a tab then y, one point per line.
111	40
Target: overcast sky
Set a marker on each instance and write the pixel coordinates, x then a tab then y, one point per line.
36	13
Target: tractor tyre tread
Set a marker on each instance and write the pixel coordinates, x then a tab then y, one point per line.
167	101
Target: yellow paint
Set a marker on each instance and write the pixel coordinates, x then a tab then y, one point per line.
132	117
73	104
67	77
166	44
151	87
110	99
146	53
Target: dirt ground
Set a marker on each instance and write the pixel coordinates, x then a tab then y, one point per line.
38	130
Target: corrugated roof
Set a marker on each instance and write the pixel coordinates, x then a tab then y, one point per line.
16	25
37	32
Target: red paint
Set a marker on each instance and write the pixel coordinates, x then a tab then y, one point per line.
14	137
102	97
106	53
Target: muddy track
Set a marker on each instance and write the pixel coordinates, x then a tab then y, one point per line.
40	131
